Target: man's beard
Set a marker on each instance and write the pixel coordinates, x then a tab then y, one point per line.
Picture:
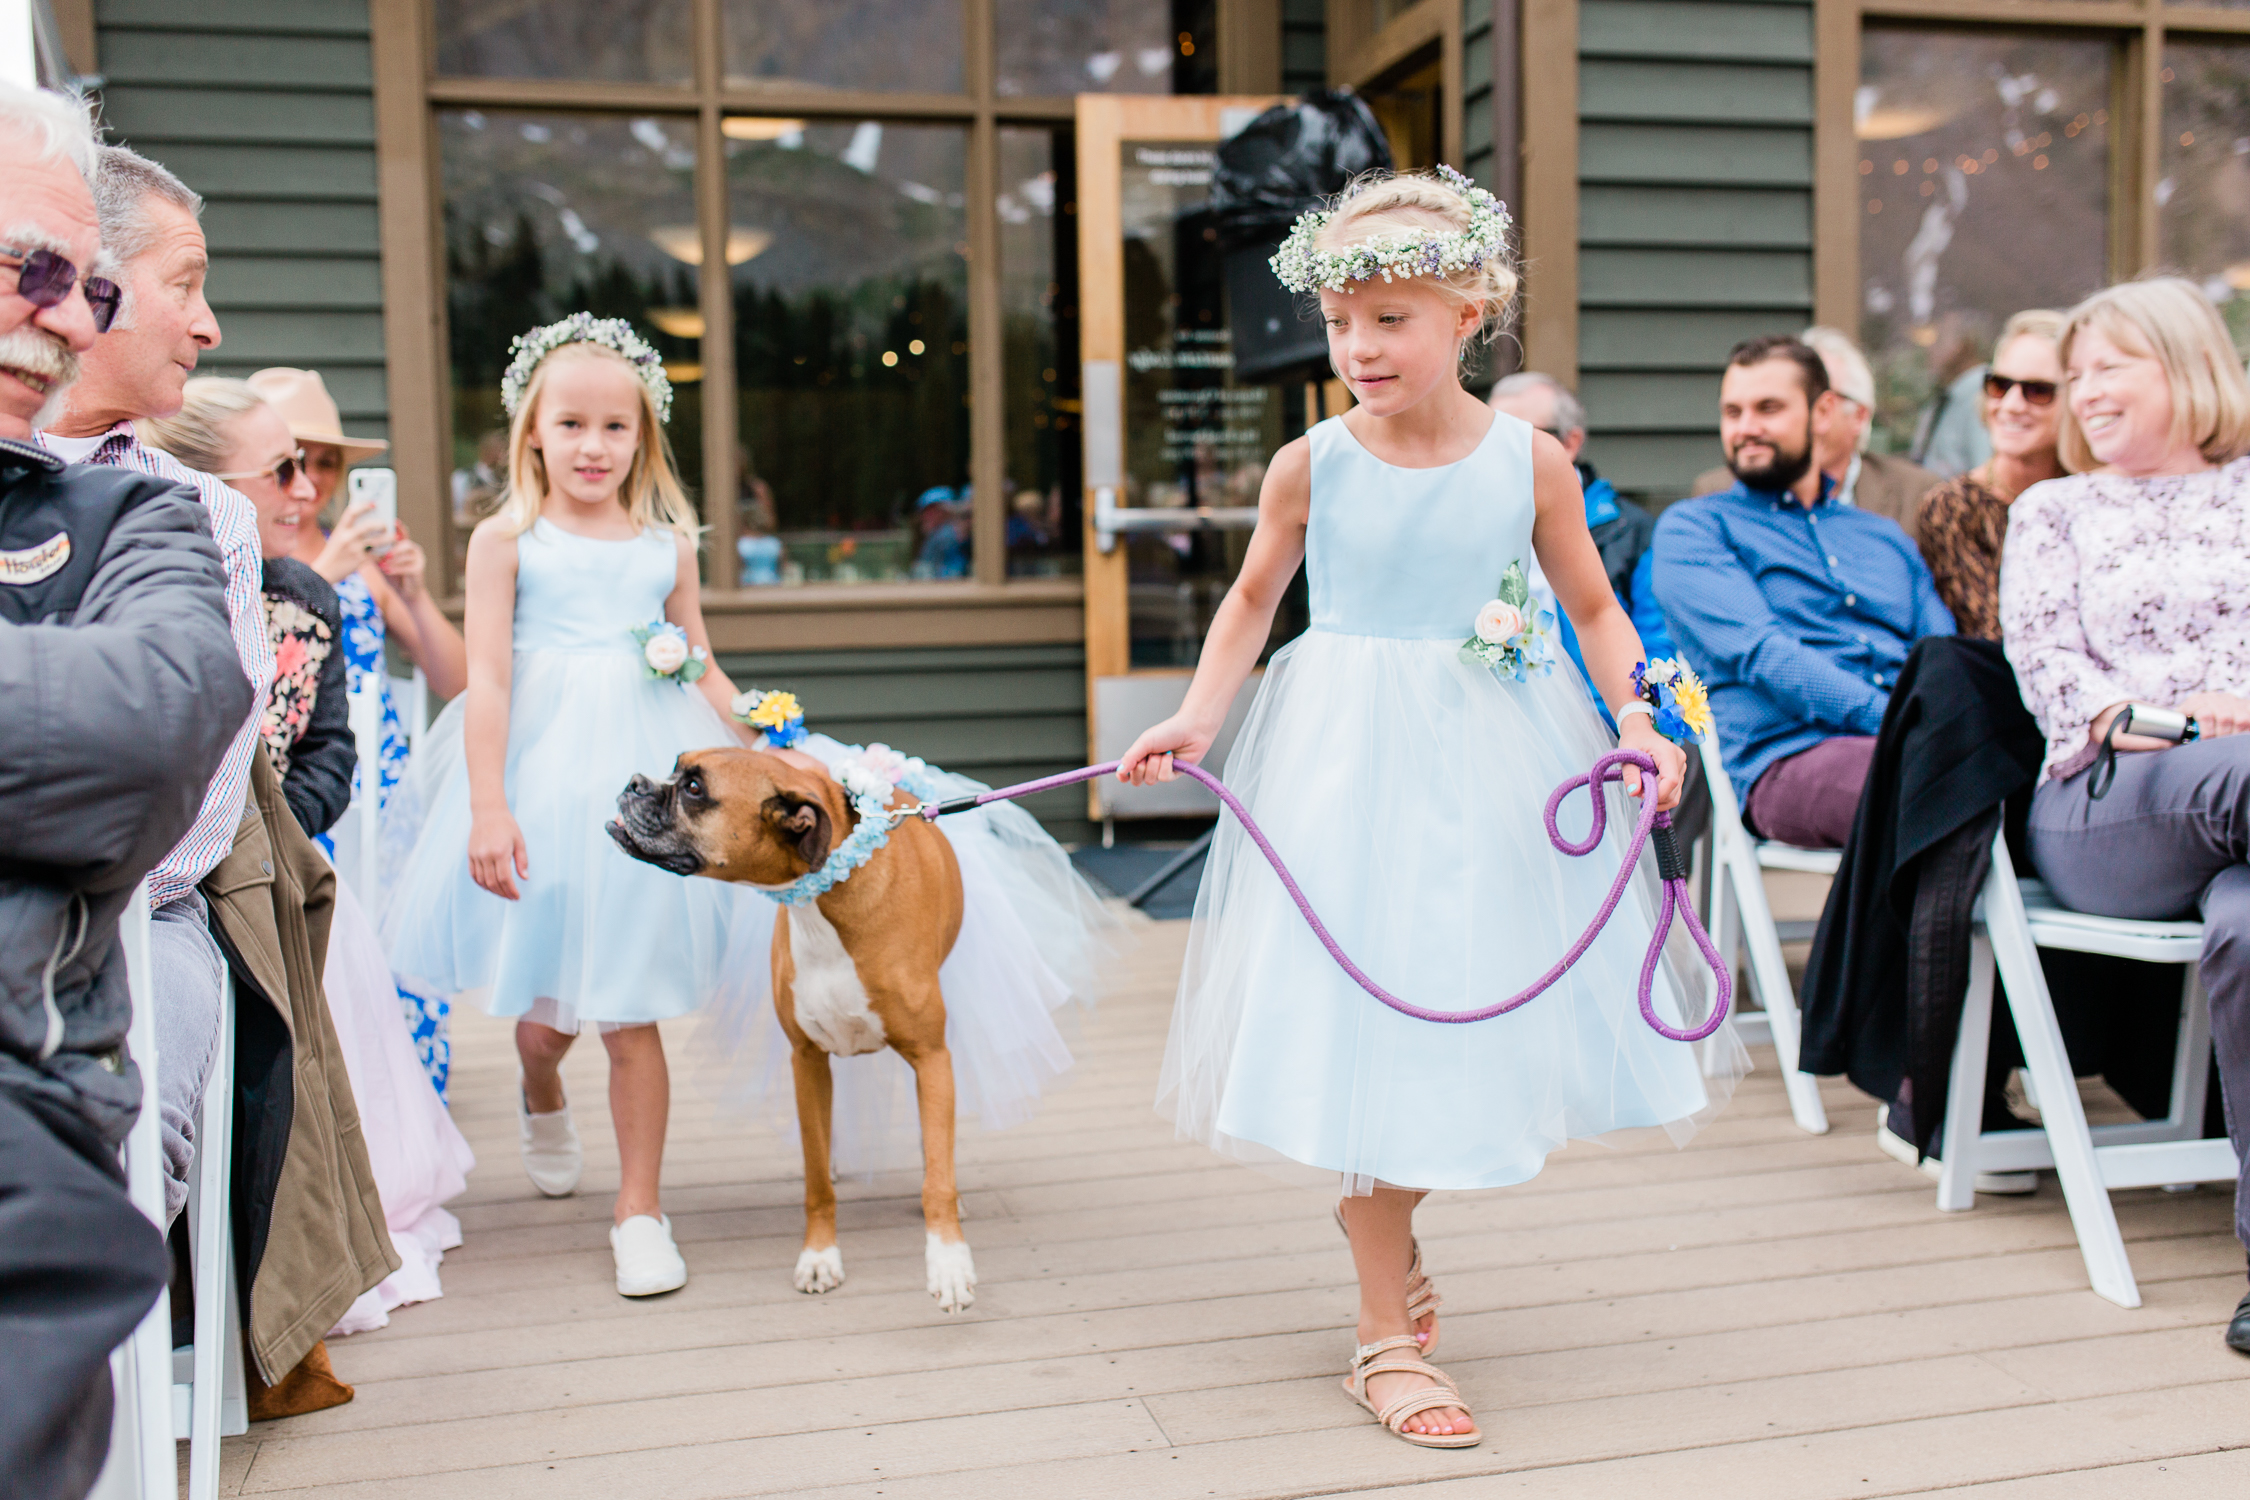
32	351
1784	470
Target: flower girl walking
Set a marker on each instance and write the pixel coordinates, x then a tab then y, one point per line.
1399	753
588	662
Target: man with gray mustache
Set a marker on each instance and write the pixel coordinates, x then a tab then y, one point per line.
122	689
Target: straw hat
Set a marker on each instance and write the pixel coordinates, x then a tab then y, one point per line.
304	403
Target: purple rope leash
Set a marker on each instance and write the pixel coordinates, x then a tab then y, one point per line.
1671	865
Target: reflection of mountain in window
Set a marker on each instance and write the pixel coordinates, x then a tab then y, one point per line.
2203	186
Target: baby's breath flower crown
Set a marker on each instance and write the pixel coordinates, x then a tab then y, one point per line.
614	334
1304	268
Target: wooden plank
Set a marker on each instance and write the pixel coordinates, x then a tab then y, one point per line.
288	65
1747	218
285	281
1681	339
1663	465
1697	278
148	117
1721	156
1698	29
323	229
1674	90
1651	403
296	173
302	336
1553	143
331	17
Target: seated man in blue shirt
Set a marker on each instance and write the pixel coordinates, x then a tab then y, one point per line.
1798	612
1621	528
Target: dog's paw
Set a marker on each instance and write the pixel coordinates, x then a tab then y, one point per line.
820	1270
953	1273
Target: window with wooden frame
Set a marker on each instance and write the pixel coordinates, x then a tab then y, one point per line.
1979	157
848	227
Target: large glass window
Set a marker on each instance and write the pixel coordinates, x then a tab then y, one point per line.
637	41
1984	165
851	350
1065	47
549	213
846	44
2203	189
1039	315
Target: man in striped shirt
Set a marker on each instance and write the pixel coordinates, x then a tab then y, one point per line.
139	369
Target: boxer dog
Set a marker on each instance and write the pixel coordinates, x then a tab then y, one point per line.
854	971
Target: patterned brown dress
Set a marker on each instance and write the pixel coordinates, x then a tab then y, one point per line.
1963	525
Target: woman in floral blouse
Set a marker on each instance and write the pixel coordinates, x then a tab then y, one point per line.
1965	520
2129	582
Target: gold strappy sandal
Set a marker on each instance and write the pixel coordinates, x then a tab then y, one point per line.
1370	1360
1422	1299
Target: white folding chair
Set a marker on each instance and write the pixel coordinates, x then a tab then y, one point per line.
359	850
2019	917
1741	917
198	1393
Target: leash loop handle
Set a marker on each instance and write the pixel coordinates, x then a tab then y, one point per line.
1653	823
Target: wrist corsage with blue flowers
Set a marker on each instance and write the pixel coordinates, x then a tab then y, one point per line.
665	652
1679	706
1513	633
775	714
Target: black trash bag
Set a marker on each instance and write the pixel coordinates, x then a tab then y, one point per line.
1288	159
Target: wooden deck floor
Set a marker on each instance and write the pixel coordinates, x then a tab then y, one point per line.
1765	1314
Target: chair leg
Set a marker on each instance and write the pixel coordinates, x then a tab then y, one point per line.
1964	1101
2062	1116
1771	975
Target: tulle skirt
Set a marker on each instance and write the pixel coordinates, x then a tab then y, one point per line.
417	1154
603	936
1405	788
1033	935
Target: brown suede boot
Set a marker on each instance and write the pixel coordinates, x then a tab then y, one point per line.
312	1386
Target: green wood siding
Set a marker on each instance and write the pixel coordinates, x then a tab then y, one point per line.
999	713
1476	91
266	108
1695	216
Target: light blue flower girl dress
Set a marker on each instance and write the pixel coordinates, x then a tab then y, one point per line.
599	937
1405	787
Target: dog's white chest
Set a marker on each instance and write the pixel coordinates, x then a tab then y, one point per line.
831	1004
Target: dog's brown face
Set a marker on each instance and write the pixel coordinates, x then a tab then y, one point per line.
739	815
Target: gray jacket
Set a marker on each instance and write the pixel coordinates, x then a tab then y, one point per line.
120	691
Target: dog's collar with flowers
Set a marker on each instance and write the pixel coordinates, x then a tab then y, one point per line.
1305	268
614	334
870	780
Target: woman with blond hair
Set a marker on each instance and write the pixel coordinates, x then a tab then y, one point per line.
2124	584
1965	519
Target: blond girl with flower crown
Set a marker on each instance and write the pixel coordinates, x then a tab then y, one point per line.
588	664
1399	755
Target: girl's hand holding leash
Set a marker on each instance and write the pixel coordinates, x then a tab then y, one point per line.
497	856
1638	732
1150	759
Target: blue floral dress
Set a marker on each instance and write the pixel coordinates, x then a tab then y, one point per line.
426	1014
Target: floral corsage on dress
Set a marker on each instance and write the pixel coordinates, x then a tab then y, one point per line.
776	715
1513	636
665	652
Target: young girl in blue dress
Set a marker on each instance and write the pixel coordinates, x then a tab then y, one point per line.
589	663
1403	777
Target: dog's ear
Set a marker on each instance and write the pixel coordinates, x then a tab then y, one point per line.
806	824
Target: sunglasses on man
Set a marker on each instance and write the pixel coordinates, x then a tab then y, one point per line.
283	473
44	279
2037	392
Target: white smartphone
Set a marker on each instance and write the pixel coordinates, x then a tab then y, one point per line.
380	486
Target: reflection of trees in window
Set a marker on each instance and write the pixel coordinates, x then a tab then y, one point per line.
2203	190
847	438
1983	180
645	41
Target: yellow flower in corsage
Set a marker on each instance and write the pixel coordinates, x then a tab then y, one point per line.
774	713
1680	705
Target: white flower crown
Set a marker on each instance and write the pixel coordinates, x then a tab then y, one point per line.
1303	267
614	334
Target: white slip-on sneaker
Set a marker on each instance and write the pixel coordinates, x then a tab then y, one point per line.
647	1260
552	1158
